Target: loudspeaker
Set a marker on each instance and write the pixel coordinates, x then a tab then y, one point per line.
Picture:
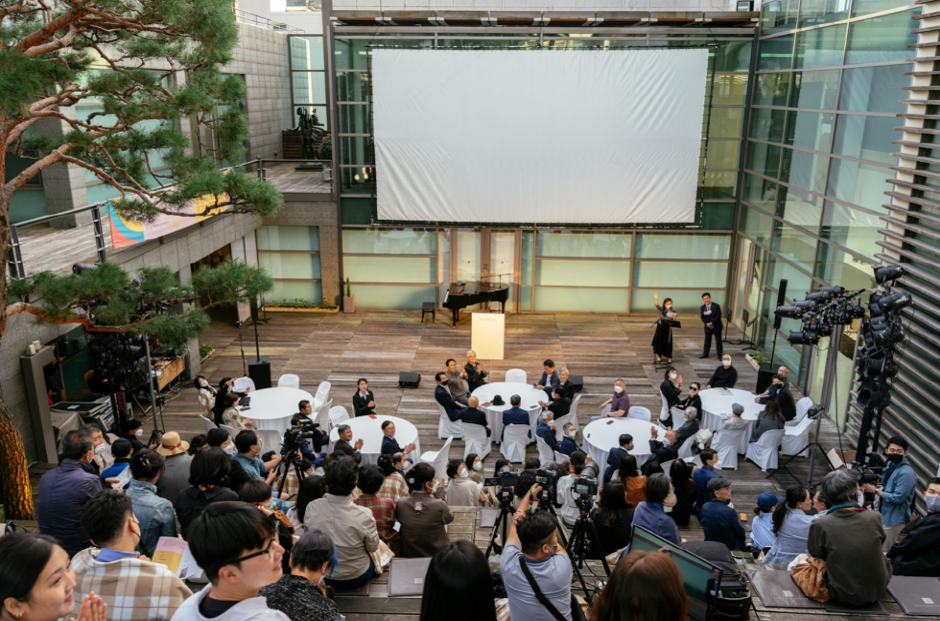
765	375
259	370
409	380
577	382
781	300
253	307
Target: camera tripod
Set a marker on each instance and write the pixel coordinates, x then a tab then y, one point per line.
503	516
291	458
583	530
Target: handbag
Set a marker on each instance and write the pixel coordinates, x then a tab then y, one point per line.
382	557
811	578
577	613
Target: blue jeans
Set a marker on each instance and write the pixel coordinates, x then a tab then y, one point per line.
353	583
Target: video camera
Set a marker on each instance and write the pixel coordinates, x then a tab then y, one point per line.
299	435
548	478
586	486
505	482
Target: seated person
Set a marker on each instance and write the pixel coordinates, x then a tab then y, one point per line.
424	514
389	443
849	539
725	376
566	499
248	446
560	405
363	400
566	384
476	376
624	446
734	420
689	428
121	450
771	418
259	495
461	490
670	389
515	415
703	475
231	415
790	526
135	431
635	483
473	415
568	444
549	377
693	400
719	521
343	446
108	519
662	451
298	593
613	519
650	513
762	535
779	391
457	382
546	430
918	554
442	395
370	483
619	403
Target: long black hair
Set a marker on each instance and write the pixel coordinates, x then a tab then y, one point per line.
795	495
614	506
311	489
23	557
458	585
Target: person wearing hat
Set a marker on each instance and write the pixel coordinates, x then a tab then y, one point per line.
762	528
514	415
734	421
719	520
172	445
121	450
177	461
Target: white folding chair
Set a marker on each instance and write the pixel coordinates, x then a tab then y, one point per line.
664	413
270	440
476	441
561	458
727	442
447	427
288	380
338	414
515	438
802	407
438	459
231	431
685	451
251	384
796	438
516	375
640	413
323	393
321	414
570	417
208	424
606	409
764	451
546	454
574	411
667	466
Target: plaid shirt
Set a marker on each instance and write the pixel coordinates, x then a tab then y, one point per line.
291	485
393	488
133	589
384	512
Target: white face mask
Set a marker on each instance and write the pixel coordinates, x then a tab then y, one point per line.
204	384
101	449
572	433
618	389
464	474
139	432
673	376
726	363
668	306
436	485
478	465
230	449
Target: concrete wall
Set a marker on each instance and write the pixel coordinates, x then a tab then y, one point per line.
309	21
323	215
534	5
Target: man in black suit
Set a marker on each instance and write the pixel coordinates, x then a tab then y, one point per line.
472	414
389	443
615	455
363	400
566	385
476	376
661	451
779	391
515	415
549	377
443	396
560	405
711	317
343	447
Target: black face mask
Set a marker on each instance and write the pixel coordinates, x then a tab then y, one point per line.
894	458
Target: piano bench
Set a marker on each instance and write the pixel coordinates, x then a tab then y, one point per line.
428	307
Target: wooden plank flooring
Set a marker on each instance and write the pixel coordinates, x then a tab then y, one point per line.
377	345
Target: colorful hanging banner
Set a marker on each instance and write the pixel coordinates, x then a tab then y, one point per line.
127	232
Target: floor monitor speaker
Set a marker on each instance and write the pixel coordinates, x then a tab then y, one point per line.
577	382
409	380
259	370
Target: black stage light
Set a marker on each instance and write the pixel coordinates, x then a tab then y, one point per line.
833	291
818	296
899	300
788	311
807	305
78	268
888	272
803	338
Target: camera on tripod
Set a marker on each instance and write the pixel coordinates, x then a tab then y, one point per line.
506	481
299	435
547	478
585	486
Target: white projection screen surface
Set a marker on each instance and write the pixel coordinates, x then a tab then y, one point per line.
538	136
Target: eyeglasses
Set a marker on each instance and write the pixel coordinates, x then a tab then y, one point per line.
269	550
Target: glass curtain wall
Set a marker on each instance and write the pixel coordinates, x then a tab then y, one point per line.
828	82
291	255
308	77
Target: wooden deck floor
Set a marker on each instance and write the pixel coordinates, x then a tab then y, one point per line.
377	345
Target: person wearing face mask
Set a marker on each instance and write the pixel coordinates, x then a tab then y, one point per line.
725	376
710	314
475	468
619	403
670	389
918	554
568	444
662	338
898	484
720	522
790	526
393	469
779	391
206	395
210	468
64	490
100	445
461	490
133	587
135	431
692	401
650	513
662	451
424	514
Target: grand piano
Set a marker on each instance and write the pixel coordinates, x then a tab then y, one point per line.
464	294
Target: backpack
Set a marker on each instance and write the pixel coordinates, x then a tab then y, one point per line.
734	597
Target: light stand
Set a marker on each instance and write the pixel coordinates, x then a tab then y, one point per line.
158	429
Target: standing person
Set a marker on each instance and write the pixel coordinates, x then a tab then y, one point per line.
393	468
206	395
210	468
719	521
644	586
791	526
237	547
383	509
710	314
476	376
619	403
363	400
461	490
134	588
918	554
298	594
458	585
549	377
898	483
662	338
670	388
457	382
680	474
65	490
155	516
725	376
424	514
37	582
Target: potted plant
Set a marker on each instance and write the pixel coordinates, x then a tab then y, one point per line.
755	359
205	350
349	301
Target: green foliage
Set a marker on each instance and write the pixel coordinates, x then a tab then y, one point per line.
757	357
326	148
300	303
205	350
348	288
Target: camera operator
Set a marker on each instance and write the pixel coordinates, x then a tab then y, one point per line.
320	438
532	558
898	483
565	497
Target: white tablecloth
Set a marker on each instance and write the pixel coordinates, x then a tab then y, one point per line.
272	408
716	407
494	413
603	435
370	430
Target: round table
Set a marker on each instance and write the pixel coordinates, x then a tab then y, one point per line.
603	435
716	407
494	413
370	430
272	408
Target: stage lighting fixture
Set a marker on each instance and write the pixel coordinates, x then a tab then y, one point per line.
887	273
899	300
818	296
803	338
789	311
832	291
806	305
79	268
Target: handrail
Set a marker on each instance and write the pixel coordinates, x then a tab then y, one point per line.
259	20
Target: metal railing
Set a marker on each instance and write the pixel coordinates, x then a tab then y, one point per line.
263	22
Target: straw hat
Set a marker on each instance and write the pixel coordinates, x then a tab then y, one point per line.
172	445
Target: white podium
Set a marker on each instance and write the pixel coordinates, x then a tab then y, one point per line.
488	332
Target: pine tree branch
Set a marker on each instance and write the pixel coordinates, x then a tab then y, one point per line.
36	311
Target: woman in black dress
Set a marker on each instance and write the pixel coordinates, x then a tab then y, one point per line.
670	389
662	339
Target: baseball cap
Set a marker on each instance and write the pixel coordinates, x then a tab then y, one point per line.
717	483
737	408
768	500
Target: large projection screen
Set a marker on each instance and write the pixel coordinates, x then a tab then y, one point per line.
520	136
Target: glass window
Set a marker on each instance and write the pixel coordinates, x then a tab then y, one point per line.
721	154
852	228
821	47
798	282
353	119
809	130
759	192
723	123
799	208
733	55
778	16
560	300
717	216
398	297
680	274
837	267
730	90
350	54
874	89
356	210
358	180
285	290
720	185
881	39
815	90
771	89
389	241
322	117
581	273
763	158
794	245
306	52
867	7
767	124
390	269
804	170
682	246
859	183
867	137
580	244
290	265
353	87
815	12
775	54
288	238
309	86
525	283
355	150
756	225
